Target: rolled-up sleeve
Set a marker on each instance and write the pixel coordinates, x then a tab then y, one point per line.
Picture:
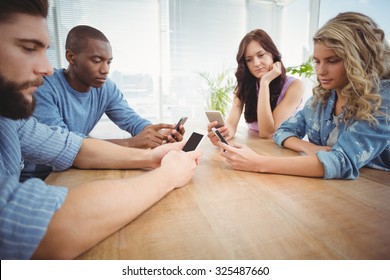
295	126
48	145
359	145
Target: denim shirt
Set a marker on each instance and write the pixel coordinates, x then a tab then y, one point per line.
359	144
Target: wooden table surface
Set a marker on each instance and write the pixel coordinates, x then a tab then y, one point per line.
228	214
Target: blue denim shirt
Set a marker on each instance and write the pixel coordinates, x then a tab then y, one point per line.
359	144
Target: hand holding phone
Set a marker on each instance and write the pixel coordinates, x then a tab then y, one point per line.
180	122
214	115
219	135
193	142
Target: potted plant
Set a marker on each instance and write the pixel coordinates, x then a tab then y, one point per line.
305	69
220	88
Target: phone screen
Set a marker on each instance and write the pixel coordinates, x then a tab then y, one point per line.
193	142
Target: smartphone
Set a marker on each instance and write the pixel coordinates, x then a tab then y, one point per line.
219	135
193	142
180	122
214	115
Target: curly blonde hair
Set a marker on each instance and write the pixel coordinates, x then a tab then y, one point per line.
361	43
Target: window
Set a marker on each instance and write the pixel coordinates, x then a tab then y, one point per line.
160	46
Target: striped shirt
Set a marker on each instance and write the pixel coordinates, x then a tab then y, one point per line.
27	208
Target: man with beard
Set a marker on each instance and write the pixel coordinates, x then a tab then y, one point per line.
37	220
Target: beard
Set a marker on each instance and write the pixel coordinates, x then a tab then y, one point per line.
13	104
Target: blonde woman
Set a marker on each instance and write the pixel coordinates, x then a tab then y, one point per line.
346	120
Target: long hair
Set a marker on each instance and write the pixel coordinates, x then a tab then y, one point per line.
30	7
359	41
246	83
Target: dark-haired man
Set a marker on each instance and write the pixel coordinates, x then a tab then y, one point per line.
76	98
37	220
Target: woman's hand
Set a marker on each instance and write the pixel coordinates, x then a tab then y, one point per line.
274	71
240	157
224	130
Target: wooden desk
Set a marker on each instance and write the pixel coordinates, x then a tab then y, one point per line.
228	214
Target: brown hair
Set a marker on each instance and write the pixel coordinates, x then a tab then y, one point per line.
246	82
30	7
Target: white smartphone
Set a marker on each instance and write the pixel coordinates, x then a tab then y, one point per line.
214	115
193	142
219	135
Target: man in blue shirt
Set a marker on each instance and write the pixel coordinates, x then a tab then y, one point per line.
37	220
76	98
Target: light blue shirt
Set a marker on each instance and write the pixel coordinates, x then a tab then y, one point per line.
27	208
58	104
358	144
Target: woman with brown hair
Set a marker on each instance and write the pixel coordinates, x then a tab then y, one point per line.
264	92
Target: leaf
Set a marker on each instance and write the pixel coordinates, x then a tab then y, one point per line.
305	69
220	88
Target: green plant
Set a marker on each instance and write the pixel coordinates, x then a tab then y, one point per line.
220	88
305	69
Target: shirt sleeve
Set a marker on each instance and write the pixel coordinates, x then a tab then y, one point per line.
26	210
119	111
295	126
51	146
358	145
46	110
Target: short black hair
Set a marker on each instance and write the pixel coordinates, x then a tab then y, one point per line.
78	35
30	7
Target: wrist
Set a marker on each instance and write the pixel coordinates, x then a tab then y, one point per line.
264	82
294	143
130	142
141	158
260	165
164	180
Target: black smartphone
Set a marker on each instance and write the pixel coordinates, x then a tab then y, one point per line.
219	135
193	142
180	122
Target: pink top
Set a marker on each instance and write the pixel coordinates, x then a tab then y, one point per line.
287	83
